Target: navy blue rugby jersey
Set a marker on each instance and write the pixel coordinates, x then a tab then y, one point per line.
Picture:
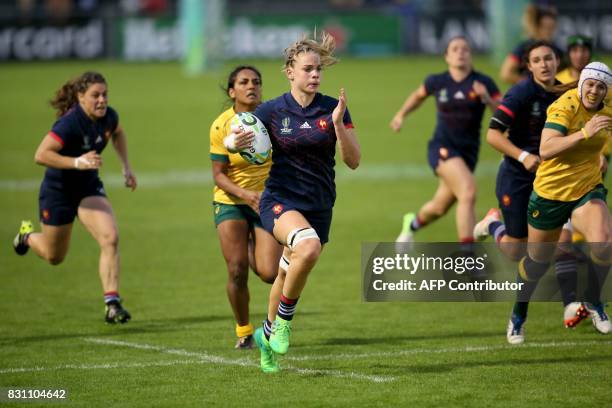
304	145
78	134
523	112
460	109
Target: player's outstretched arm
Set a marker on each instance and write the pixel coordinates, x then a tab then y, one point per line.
350	151
412	102
120	145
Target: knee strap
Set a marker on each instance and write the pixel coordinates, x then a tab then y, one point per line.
283	263
299	234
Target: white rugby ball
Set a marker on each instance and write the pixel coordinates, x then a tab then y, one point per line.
260	149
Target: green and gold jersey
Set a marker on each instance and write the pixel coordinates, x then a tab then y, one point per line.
242	173
575	172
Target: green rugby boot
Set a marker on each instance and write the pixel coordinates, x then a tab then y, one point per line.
268	361
19	243
279	339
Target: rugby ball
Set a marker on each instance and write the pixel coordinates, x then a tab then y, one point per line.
260	149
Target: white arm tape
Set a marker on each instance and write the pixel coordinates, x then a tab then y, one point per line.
78	160
523	156
230	142
299	234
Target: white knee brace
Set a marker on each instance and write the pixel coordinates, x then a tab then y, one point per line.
299	234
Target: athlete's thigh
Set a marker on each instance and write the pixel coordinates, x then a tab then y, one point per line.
57	238
96	214
267	250
287	222
456	174
593	221
234	238
542	244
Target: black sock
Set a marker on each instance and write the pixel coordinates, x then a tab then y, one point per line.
567	275
597	274
529	275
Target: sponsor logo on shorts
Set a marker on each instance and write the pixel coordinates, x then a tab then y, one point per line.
535	214
217	209
277	209
45	214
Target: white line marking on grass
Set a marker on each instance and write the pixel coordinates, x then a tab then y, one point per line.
97	366
468	349
207	358
202	177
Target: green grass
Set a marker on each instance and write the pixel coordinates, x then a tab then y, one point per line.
173	275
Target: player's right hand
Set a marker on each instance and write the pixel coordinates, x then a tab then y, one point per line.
252	199
532	162
238	139
88	161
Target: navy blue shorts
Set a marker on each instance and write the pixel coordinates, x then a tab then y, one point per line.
58	205
513	188
437	151
271	208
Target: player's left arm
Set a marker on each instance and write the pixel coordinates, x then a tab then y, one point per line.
350	151
120	145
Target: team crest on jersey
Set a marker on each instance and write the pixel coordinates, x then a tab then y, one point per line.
506	200
277	209
322	124
286	130
473	95
443	97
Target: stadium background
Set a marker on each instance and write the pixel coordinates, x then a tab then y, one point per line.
177	350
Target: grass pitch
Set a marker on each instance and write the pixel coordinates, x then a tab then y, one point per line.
177	350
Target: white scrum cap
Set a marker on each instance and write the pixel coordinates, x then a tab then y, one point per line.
598	71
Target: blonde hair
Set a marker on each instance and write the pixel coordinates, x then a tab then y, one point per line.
324	47
533	15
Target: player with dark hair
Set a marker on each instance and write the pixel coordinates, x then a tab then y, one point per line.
238	187
540	23
71	186
296	207
522	113
579	53
461	97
